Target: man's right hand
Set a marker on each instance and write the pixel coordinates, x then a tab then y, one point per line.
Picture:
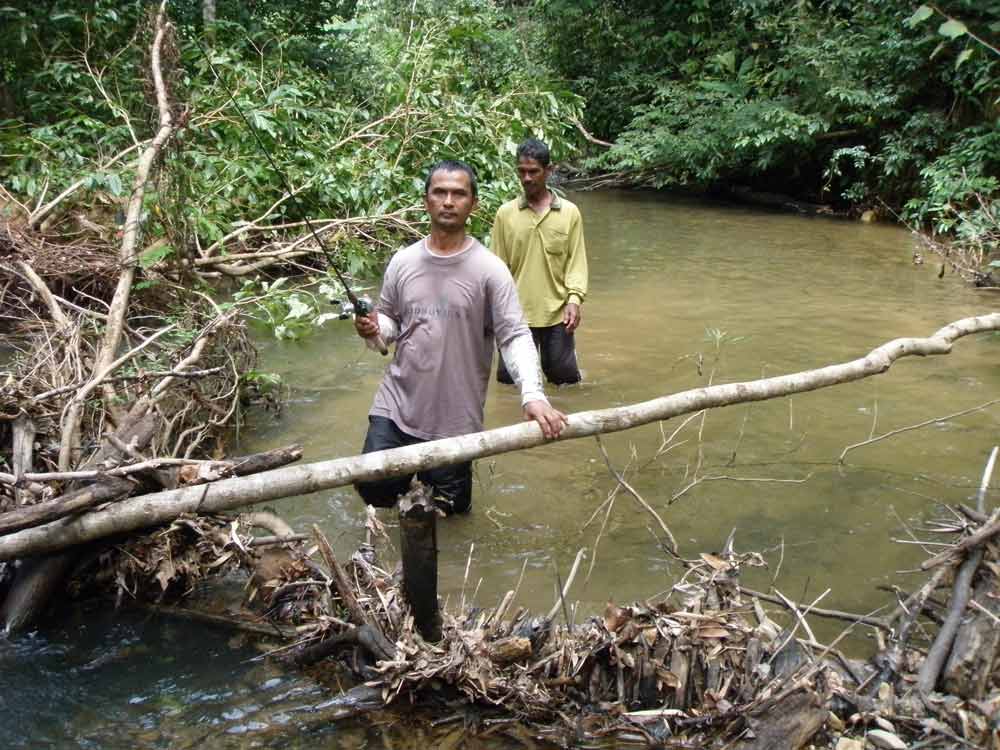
367	325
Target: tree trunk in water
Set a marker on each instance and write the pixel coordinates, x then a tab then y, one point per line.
37	579
418	549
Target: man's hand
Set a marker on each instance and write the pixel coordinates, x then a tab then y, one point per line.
552	421
367	325
571	316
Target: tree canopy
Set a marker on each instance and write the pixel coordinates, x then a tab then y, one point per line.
891	104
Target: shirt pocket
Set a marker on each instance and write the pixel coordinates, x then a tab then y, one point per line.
555	241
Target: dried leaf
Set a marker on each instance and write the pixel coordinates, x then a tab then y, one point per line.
717	563
615	617
886	740
712	631
667	678
165	572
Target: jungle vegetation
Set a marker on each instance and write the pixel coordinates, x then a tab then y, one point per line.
890	106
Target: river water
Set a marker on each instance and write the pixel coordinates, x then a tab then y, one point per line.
683	294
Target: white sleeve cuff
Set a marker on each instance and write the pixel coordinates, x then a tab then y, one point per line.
521	359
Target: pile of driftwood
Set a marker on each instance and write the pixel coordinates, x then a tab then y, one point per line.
705	665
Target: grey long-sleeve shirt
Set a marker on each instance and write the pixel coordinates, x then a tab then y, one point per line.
448	310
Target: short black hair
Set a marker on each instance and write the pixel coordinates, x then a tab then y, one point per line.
452	165
532	148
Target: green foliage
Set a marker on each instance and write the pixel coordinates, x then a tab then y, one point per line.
288	312
846	101
354	100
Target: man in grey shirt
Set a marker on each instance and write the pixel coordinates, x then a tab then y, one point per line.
444	300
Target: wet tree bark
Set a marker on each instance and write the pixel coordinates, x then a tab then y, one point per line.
70	503
418	549
789	724
977	643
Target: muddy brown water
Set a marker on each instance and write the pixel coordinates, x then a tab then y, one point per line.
682	294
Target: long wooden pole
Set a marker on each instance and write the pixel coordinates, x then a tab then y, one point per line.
157	508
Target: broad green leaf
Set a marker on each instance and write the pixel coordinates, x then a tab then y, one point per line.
963	56
920	15
114	183
952	28
728	60
297	308
154	255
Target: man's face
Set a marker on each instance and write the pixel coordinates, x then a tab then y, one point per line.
449	199
533	176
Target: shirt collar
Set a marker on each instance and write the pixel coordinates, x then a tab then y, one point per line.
555	205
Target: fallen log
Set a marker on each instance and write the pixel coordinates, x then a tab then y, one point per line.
72	502
210	471
158	508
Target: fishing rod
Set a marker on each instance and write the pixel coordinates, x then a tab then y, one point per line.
359	306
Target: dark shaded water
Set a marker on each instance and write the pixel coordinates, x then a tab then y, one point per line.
682	294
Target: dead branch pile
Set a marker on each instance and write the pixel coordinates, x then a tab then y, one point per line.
704	666
100	375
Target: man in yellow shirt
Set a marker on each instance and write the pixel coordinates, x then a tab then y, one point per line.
540	237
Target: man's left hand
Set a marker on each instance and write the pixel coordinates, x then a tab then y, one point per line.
571	316
552	421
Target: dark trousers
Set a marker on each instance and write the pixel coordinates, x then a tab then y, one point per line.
557	351
451	485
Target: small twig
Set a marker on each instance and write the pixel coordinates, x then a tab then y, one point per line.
465	579
892	433
695	482
781	559
798	614
125	378
561	601
636	495
828	613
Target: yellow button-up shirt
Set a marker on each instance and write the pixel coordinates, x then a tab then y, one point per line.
545	254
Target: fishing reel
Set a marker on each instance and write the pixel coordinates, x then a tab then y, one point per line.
349	310
361	307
